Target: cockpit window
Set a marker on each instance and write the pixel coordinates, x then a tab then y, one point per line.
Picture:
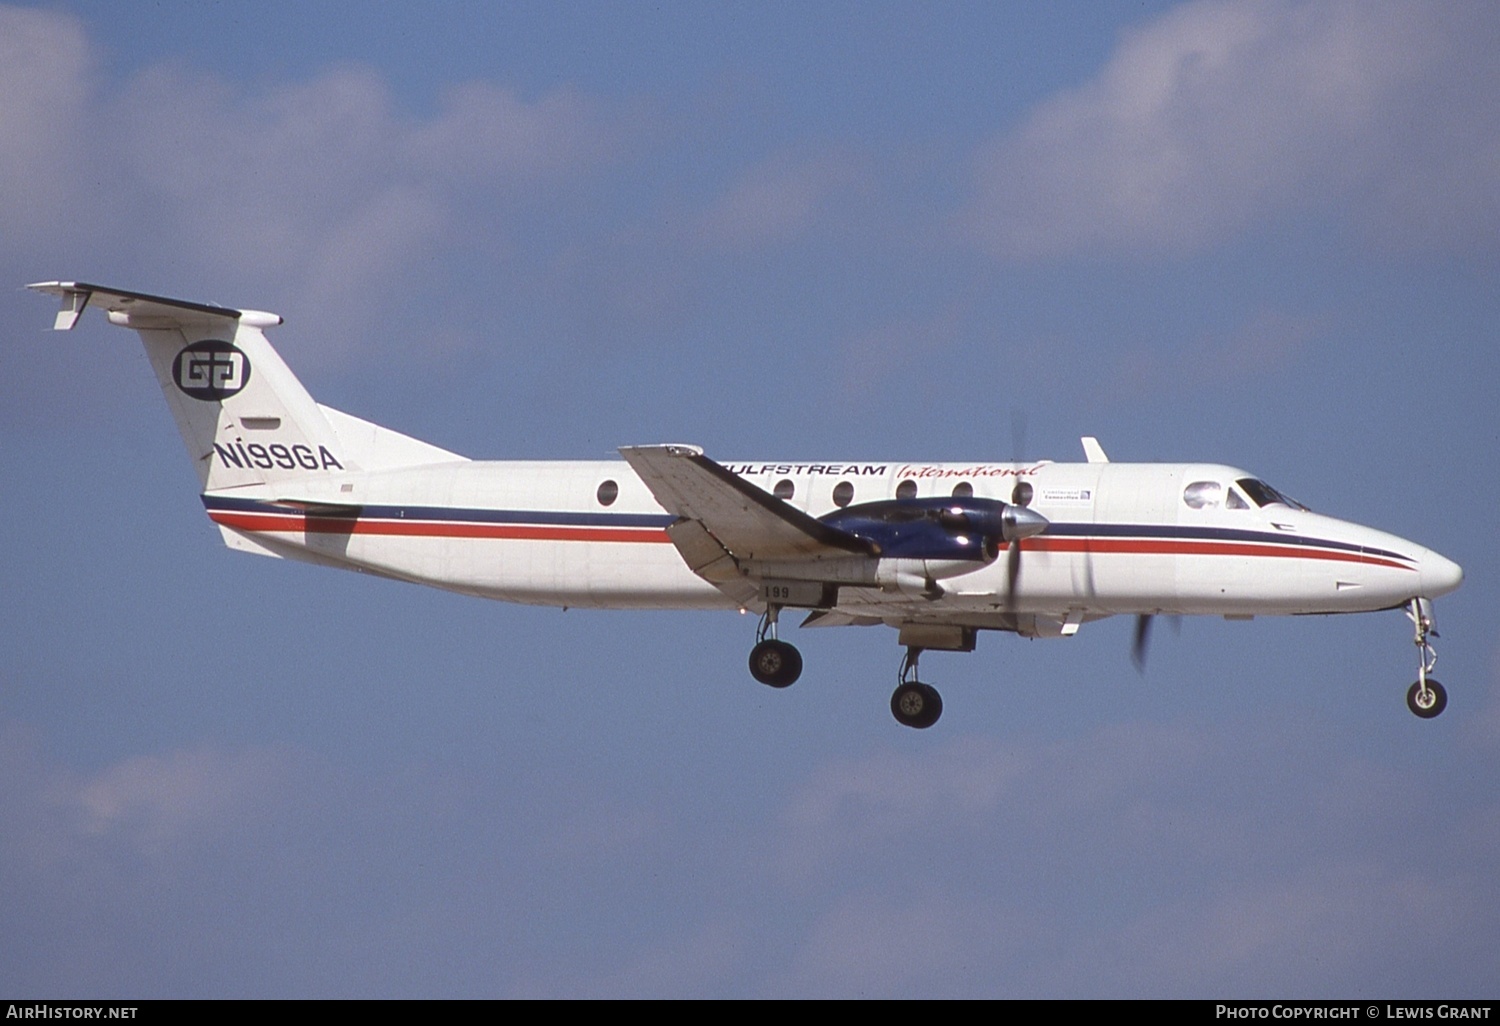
1203	495
1264	495
1234	500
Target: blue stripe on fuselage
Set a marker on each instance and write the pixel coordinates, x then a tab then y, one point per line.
562	518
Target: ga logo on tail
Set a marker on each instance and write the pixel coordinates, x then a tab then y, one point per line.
211	370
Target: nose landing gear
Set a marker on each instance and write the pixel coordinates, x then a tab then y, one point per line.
773	661
915	704
1427	698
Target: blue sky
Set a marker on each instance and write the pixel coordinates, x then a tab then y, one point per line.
1262	234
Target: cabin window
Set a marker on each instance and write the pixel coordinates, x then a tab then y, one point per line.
784	489
1203	495
608	492
843	494
963	490
906	489
1022	493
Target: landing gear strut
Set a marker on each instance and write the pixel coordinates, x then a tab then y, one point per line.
915	704
773	661
1426	697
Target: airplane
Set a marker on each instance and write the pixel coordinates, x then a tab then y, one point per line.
938	551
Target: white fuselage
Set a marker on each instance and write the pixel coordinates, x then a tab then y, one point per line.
1122	539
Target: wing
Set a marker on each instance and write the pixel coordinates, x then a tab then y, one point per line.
750	523
726	525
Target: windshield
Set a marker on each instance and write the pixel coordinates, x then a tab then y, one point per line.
1264	495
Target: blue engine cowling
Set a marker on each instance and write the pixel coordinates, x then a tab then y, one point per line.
938	528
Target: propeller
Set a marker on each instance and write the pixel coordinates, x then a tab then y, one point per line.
1012	574
1142	640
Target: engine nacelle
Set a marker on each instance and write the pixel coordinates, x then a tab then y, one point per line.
939	531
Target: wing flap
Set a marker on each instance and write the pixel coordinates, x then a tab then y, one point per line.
712	562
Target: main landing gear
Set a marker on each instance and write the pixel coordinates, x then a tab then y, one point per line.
773	661
1427	698
915	704
779	664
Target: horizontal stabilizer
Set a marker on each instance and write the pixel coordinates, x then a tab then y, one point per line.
751	523
140	309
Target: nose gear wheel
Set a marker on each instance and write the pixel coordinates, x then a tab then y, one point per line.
1429	702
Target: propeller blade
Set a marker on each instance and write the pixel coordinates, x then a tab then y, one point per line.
1142	642
1012	573
1016	523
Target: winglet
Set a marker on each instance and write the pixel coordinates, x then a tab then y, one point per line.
1093	450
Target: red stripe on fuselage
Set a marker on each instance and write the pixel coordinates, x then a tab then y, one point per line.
1181	547
283	523
280	523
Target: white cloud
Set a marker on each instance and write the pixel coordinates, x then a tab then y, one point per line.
483	131
322	191
1223	112
157	801
45	81
779	199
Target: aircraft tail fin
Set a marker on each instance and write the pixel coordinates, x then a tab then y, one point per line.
244	416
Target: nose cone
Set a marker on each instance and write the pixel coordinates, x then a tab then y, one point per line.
1440	575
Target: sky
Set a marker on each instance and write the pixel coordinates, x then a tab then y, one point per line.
1264	234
